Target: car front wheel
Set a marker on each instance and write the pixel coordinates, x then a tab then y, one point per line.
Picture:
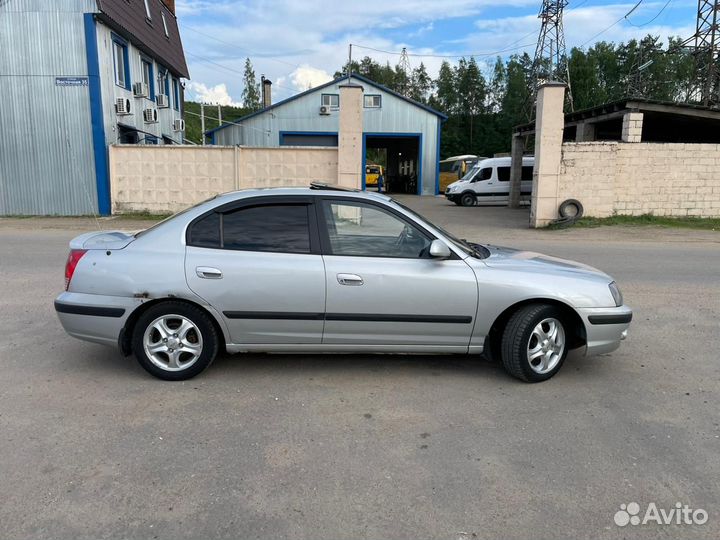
534	343
467	199
174	341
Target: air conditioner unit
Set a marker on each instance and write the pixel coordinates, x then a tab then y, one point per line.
324	110
140	89
122	106
150	116
179	125
162	101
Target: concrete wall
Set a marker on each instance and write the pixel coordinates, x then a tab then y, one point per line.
641	178
301	114
162	179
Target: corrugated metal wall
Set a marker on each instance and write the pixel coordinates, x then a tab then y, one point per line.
46	152
302	115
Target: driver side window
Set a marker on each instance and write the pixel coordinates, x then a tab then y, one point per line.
363	230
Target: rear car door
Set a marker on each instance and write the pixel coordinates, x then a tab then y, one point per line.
383	288
258	263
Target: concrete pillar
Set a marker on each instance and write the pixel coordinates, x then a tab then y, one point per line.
549	125
350	136
516	155
632	127
585	132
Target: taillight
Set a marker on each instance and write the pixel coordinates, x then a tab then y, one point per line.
71	264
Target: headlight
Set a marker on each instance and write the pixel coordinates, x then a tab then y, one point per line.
616	294
451	189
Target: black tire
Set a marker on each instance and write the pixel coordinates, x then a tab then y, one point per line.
571	209
516	339
201	321
467	199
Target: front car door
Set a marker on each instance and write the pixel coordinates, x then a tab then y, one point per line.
258	263
383	288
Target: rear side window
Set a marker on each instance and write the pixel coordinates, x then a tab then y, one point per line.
270	228
527	172
206	232
504	174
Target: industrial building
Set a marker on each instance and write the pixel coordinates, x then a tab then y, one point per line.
75	77
407	132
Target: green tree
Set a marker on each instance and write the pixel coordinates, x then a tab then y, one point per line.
251	92
420	84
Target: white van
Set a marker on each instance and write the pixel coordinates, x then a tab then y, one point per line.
488	182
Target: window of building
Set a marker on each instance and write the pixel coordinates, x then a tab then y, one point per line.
372	101
163	81
330	100
363	230
176	94
147	10
165	26
271	228
147	76
121	63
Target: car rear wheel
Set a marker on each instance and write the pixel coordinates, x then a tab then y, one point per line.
174	341
467	199
534	343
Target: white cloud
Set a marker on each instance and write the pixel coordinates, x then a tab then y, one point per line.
306	77
215	95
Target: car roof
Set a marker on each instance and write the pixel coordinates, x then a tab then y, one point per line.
306	191
494	162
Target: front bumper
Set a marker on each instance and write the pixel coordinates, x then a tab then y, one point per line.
605	328
454	197
94	317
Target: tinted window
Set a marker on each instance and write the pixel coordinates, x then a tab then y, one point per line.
485	174
504	174
277	228
206	232
527	172
358	229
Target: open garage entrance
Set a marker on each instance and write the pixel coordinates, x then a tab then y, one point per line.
399	155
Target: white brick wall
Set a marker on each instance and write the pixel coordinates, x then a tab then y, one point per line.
161	179
641	178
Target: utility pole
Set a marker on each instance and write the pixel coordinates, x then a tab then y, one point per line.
219	115
404	66
550	62
705	85
202	122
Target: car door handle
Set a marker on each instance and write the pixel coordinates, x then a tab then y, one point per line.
207	272
349	279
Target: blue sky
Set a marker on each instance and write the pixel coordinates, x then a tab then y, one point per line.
299	44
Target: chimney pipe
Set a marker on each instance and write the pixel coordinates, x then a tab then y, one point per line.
266	92
170	4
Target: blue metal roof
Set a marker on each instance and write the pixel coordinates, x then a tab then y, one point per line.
364	80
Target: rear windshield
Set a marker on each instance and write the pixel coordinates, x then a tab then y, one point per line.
180	213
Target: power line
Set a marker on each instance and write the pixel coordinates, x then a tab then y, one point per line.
651	20
613	24
475	55
241	49
233	70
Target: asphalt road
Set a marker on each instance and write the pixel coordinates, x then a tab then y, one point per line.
324	446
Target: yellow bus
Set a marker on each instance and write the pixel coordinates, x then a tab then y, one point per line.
454	168
372	172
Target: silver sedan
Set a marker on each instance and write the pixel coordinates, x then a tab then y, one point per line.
328	270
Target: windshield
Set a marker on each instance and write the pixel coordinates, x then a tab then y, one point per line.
459	243
471	173
180	213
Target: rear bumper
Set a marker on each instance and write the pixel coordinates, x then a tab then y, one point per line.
93	317
605	328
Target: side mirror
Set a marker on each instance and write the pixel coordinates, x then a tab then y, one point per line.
439	250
